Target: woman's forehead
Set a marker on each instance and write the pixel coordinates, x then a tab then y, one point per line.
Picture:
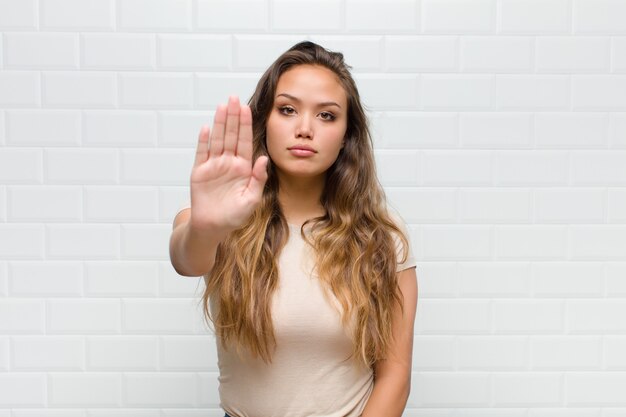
311	83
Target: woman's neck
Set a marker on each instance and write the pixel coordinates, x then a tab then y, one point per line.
300	198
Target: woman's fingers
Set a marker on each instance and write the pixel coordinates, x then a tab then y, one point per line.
231	131
259	176
244	146
216	145
202	150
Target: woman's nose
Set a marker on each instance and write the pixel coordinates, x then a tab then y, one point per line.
304	129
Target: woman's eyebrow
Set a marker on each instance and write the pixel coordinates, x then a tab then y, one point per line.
296	99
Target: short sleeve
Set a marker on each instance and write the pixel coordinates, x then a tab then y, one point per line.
410	260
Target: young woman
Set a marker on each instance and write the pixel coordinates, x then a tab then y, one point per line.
310	280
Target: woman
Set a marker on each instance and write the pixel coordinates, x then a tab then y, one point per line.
310	281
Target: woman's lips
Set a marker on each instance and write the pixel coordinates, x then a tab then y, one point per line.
301	151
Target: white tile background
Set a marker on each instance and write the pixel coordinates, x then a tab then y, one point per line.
500	133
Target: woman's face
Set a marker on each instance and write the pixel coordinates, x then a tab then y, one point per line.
307	123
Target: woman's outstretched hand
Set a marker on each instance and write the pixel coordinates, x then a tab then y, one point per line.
225	186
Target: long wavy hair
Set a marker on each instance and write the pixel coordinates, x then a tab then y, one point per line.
355	242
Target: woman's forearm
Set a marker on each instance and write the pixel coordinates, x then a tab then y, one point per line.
192	252
388	397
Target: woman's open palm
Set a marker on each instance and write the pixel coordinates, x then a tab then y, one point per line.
225	186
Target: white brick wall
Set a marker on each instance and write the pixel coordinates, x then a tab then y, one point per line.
118	51
76	15
40	128
41	50
154	15
500	136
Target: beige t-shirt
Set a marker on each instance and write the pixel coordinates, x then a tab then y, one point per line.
308	375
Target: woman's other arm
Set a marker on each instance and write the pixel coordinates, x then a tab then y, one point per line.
225	189
392	377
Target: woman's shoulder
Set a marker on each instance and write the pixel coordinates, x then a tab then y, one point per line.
396	217
182	206
399	221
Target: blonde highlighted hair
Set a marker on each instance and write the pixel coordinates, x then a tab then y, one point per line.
355	241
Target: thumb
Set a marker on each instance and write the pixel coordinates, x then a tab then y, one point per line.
259	175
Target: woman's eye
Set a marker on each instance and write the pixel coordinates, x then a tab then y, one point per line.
290	110
327	116
286	110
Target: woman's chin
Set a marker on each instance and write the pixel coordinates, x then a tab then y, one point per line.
301	174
